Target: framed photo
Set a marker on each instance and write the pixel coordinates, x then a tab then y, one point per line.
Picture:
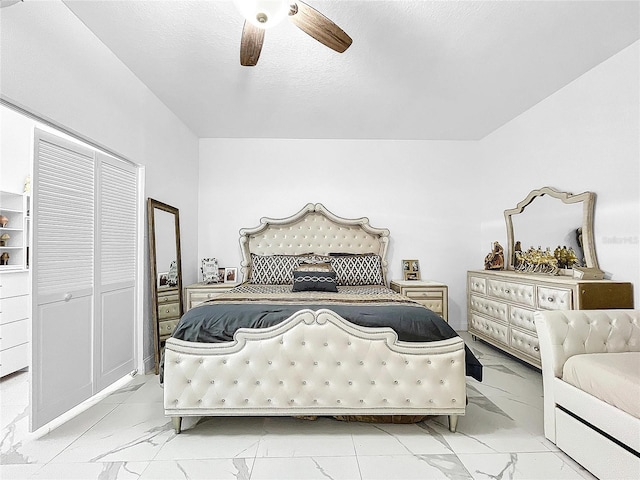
221	275
411	269
210	270
230	275
163	279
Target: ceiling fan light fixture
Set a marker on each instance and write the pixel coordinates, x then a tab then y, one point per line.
263	13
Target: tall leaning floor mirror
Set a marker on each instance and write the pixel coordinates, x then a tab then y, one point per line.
166	272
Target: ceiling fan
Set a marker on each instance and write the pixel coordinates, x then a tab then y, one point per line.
263	14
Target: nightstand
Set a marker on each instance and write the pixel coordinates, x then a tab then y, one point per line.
197	293
168	311
433	295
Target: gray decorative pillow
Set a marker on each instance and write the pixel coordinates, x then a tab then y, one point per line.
363	269
316	281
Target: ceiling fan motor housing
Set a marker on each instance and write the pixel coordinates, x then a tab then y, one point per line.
264	13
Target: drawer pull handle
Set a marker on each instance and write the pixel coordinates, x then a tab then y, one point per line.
507	291
67	297
537	349
550	299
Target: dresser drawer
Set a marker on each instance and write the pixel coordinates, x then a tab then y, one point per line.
14	308
523	318
489	308
513	292
478	285
525	343
167	327
491	329
13	359
14	284
170	310
554	298
14	333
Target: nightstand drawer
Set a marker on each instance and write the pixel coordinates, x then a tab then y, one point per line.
167	327
433	305
421	294
201	292
199	297
171	310
168	298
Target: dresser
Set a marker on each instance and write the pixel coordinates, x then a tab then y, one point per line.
15	311
501	305
432	295
197	293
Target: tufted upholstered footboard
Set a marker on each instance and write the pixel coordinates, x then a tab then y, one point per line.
315	363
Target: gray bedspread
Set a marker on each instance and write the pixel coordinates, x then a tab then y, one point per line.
259	306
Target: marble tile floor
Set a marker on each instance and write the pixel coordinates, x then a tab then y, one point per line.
126	436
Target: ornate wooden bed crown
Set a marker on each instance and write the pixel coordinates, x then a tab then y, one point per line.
315	230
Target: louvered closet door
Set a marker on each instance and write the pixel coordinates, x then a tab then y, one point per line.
63	277
116	270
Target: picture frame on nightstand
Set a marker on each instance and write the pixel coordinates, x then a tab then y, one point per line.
411	269
230	275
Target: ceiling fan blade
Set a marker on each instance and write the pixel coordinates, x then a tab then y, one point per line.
313	23
250	44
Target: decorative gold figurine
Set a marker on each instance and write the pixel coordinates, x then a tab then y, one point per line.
495	259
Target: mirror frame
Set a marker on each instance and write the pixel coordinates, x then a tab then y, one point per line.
152	205
588	207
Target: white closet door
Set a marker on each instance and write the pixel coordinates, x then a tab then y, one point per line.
116	270
63	277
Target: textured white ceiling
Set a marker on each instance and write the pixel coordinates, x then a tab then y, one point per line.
443	70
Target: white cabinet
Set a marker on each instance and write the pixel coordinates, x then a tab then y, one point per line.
15	308
15	292
14	231
501	305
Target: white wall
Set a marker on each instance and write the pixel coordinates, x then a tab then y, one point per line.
52	65
585	137
419	190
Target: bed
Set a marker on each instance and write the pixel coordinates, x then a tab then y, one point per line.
313	331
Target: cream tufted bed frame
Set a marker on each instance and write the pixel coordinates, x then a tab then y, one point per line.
315	362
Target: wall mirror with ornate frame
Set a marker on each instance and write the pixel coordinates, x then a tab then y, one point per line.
165	272
549	218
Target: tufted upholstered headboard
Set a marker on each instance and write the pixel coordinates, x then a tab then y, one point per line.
314	229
